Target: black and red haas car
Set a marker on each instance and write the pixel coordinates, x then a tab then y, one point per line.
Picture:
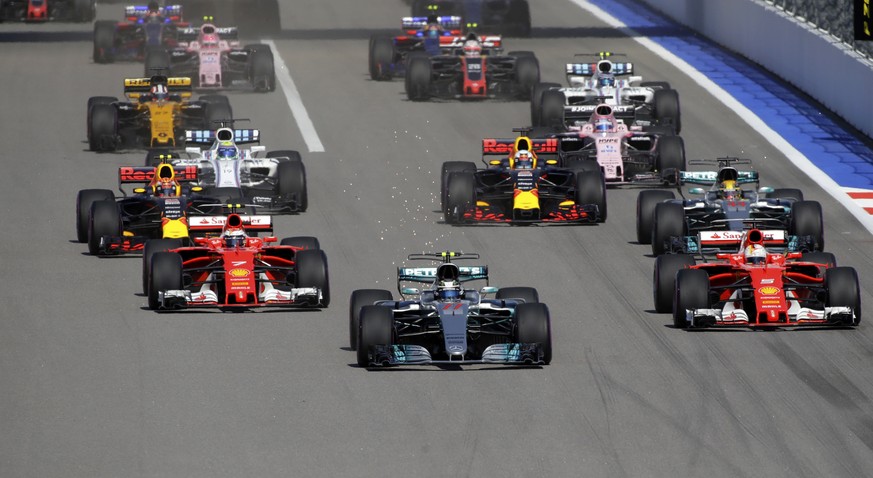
472	68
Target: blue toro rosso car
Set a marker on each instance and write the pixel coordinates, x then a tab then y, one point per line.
144	27
425	35
447	323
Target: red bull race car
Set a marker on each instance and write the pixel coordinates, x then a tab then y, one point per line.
161	208
523	187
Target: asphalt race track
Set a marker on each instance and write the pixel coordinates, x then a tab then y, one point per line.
92	384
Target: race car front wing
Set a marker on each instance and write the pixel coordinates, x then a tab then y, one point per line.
505	354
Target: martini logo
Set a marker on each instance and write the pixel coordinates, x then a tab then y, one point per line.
239	272
769	290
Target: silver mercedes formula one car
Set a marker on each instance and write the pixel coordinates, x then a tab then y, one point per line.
447	323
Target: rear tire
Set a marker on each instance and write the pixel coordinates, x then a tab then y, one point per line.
533	326
104	41
527	74
671	154
448	168
312	272
165	273
664	279
418	78
806	220
536	101
104	220
84	199
103	127
528	294
360	299
262	70
552	112
591	189
666	103
376	328
291	182
692	292
646	202
460	196
381	57
668	221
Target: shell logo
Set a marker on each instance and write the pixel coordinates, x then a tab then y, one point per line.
769	290
239	272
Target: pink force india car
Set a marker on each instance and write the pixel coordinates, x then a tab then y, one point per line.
213	58
626	155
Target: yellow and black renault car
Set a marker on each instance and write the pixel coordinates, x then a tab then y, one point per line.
158	111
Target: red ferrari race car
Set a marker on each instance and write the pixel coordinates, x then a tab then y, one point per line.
755	287
236	270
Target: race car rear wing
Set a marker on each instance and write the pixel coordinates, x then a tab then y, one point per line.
710	243
709	178
506	146
225	33
144	174
426	275
419	23
589	69
259	223
136	87
574	113
207	136
774	237
172	13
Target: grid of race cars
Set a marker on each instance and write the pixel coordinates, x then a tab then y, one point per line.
729	252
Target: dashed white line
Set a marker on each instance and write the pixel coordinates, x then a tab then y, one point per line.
295	102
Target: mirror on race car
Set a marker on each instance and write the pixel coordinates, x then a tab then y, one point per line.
488	290
409	291
696	191
765	190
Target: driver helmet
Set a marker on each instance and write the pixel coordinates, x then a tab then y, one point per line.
448	283
209	40
603	125
234	237
160	92
472	48
523	160
755	254
227	152
166	187
604	81
728	190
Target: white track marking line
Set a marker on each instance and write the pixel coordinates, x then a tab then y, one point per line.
304	123
796	157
